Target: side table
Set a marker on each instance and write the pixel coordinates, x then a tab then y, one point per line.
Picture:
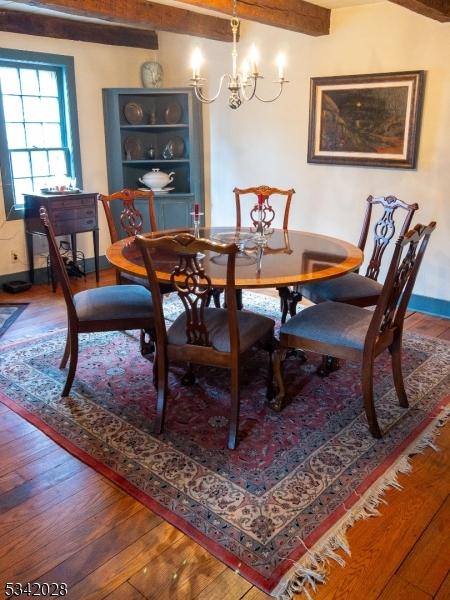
69	214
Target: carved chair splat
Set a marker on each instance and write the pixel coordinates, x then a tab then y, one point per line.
201	335
357	334
107	308
269	214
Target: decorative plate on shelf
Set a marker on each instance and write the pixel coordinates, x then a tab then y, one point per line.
134	150
133	112
173	113
174	148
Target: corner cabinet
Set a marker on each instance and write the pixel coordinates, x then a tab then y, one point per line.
149	129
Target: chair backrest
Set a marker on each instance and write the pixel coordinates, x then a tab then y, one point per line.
57	263
131	219
191	283
268	212
391	307
384	229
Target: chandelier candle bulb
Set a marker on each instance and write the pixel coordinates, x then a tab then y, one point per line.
281	64
254	59
196	62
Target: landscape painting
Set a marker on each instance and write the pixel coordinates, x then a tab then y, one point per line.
369	120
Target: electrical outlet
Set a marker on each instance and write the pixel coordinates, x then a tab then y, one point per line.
14	256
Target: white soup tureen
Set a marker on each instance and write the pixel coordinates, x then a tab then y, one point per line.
156	179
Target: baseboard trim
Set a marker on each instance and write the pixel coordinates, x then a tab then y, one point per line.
430	306
40	275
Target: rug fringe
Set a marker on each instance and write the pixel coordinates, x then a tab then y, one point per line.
312	569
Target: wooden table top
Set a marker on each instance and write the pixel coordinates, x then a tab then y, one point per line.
290	257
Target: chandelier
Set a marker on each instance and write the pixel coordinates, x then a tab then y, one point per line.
242	84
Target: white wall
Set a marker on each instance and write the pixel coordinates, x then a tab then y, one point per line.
96	66
267	144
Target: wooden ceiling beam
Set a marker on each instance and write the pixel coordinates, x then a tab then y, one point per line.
144	15
17	21
435	9
296	15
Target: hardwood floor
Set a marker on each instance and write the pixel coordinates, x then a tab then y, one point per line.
62	521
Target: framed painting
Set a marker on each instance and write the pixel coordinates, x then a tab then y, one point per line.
366	120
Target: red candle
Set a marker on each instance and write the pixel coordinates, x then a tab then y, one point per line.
260	200
196	209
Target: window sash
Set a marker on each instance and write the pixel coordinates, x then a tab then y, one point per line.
63	67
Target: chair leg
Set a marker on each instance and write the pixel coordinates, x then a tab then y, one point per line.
279	401
235	405
369	406
65	357
189	377
147	343
239	302
72	363
161	396
284	302
216	297
327	366
294	299
396	357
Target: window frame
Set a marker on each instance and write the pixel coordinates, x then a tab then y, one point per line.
65	64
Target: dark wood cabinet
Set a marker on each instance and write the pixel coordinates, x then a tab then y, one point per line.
156	129
69	214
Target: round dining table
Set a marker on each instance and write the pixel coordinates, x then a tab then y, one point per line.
286	257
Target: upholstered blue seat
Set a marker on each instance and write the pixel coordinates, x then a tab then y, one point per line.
348	288
331	323
114	302
252	327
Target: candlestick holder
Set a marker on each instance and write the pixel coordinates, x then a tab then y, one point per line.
260	237
196	224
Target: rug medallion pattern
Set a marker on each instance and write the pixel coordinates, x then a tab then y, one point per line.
290	472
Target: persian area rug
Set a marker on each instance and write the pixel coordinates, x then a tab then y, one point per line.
276	509
9	312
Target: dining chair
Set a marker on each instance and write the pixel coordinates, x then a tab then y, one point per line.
354	288
202	335
358	334
131	221
268	195
107	308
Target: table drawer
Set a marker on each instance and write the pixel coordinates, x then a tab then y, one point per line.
75	226
72	203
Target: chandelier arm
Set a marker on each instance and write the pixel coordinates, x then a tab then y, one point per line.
200	96
244	95
272	99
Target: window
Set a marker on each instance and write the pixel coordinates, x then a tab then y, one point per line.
38	124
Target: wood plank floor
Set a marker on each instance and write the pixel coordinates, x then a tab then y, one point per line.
62	521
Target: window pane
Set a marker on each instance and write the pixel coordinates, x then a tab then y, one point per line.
39	163
39	183
48	83
57	159
9	78
22	186
52	135
16	135
29	81
35	135
20	164
12	106
50	110
32	108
